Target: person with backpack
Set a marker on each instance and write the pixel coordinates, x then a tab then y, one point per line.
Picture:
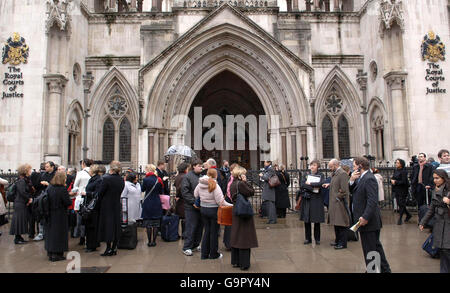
56	224
22	199
440	211
211	197
152	211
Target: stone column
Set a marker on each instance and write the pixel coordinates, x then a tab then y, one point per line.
140	5
336	5
316	5
275	146
133	6
151	145
361	78
303	135
396	85
295	5
283	147
379	144
293	148
88	81
54	115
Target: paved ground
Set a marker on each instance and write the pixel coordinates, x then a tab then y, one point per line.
280	250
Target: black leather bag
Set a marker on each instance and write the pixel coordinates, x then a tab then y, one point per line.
242	208
86	210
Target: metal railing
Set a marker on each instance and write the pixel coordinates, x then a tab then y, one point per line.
295	175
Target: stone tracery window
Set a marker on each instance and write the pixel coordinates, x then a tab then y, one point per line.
327	138
117	129
343	138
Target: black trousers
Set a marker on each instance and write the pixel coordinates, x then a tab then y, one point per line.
240	257
341	235
210	242
401	201
445	260
227	237
370	241
316	231
420	194
281	213
194	229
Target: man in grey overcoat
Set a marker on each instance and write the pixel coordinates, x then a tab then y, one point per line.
338	211
268	193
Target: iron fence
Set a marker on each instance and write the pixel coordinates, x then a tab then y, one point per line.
295	175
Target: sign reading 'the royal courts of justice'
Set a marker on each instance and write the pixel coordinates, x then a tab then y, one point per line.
15	52
433	51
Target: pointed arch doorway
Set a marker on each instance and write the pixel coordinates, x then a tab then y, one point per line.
228	94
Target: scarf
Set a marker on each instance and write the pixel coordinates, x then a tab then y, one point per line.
153	174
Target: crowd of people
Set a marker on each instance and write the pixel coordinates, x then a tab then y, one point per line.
88	205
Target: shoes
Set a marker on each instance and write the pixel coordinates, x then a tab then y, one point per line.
90	250
151	244
307	242
219	257
187	252
271	222
317	242
19	241
235	265
244	268
399	222
333	243
408	217
82	241
56	258
39	237
198	248
109	252
337	247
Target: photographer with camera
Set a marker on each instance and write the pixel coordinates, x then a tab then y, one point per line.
421	179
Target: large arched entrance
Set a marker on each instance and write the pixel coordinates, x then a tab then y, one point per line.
228	94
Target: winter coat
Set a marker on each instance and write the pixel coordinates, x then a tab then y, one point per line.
179	206
282	192
312	206
401	185
19	223
134	194
338	210
268	193
209	199
188	186
162	174
440	211
243	231
151	206
57	226
380	186
110	216
79	186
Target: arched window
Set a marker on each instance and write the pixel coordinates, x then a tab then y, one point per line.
108	141
343	138
327	138
125	141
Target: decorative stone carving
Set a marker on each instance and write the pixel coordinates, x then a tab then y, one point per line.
117	107
391	11
57	12
361	78
333	104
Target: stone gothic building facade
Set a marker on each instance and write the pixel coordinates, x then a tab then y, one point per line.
109	79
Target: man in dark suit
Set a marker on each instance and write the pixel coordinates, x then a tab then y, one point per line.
162	173
364	188
422	180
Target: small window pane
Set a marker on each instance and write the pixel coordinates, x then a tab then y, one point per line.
125	141
327	138
344	139
108	141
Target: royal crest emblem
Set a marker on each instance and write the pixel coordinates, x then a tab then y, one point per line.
433	49
15	50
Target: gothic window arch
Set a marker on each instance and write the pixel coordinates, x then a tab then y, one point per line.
377	133
117	130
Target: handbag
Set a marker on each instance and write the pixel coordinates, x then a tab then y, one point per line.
225	215
86	210
242	208
274	181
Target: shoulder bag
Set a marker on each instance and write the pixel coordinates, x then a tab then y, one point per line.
242	208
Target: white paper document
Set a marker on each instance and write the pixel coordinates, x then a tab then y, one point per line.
313	179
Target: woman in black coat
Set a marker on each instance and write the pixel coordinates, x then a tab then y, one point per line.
57	225
109	219
312	205
92	190
24	190
243	231
400	186
282	193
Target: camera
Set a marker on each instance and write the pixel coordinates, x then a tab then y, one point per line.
414	161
